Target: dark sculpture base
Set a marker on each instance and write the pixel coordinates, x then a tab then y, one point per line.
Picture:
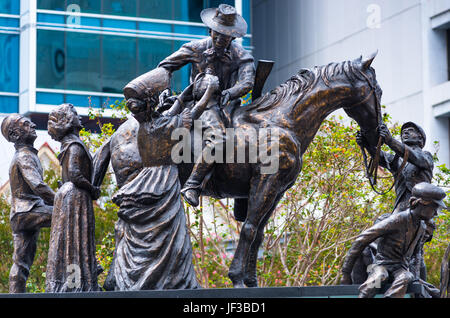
340	291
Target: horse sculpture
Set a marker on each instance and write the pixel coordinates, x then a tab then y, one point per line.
296	109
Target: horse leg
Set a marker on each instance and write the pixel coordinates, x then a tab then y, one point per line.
262	197
250	277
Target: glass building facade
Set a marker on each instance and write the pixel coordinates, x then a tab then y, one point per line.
85	51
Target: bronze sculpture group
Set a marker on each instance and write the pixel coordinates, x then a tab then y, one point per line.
153	249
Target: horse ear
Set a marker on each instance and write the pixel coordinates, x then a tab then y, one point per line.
367	62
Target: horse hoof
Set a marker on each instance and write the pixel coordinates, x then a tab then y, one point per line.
236	280
238	285
251	282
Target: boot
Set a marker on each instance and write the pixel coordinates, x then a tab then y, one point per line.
193	186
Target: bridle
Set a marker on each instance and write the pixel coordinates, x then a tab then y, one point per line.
371	167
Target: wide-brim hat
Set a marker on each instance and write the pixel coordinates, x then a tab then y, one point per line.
225	20
430	192
417	127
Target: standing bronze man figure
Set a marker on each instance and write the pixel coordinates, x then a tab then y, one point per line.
31	198
234	67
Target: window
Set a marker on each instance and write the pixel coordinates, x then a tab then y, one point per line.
10	6
120	7
9	104
51	59
9	67
448	54
153	51
83	62
118	62
87	6
184	10
99	63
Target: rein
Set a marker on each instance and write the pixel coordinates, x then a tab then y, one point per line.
372	167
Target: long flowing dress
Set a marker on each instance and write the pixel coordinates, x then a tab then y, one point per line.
72	265
154	250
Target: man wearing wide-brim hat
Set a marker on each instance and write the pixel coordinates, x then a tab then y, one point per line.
232	64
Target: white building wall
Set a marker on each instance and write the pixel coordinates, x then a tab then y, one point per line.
411	64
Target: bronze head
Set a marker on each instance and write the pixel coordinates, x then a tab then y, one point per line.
225	20
427	200
63	121
19	129
412	134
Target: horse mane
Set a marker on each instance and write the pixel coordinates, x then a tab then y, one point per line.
302	82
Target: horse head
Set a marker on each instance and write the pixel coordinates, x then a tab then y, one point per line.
365	109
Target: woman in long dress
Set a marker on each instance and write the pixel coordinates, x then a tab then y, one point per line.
154	249
72	265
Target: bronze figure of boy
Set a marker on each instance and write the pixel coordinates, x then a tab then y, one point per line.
399	238
419	166
31	198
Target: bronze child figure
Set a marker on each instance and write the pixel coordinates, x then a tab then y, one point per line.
72	266
31	198
399	238
419	165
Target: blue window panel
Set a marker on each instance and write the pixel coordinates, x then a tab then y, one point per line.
216	3
119	24
90	21
10	6
49	98
9	104
86	6
156	9
52	60
83	100
9	67
153	51
247	42
120	7
63	19
188	29
10	22
83	62
160	27
119	62
51	18
246	11
58	5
